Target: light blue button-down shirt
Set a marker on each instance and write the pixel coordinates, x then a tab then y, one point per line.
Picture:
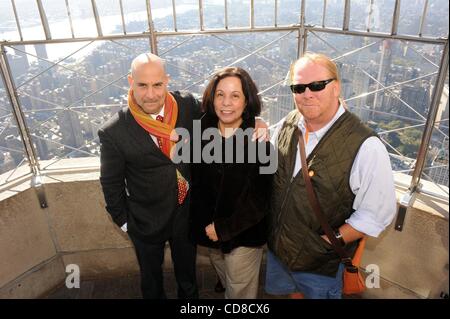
371	179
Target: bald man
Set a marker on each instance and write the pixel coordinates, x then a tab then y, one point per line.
143	189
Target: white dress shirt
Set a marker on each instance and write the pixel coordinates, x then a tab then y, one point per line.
371	179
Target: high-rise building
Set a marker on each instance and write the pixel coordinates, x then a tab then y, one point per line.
354	83
15	147
19	61
6	162
41	51
438	171
418	97
70	129
40	144
384	68
284	102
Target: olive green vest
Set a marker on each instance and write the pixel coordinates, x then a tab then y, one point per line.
294	229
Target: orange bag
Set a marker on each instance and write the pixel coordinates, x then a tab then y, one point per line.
353	282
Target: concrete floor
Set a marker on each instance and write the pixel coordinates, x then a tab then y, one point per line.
128	287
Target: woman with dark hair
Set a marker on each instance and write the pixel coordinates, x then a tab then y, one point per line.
230	197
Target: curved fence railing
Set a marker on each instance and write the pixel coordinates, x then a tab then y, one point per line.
65	63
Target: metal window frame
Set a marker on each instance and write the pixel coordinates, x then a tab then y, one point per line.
174	13
252	14
369	18
324	12
344	30
151	30
97	18
300	27
275	14
200	13
346	22
431	118
69	14
423	18
395	18
122	17
16	16
225	9
36	181
44	20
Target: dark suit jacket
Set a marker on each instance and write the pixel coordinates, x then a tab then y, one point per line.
139	182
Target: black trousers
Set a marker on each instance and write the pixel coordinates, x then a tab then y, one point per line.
151	257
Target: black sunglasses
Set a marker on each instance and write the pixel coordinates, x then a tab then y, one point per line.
313	86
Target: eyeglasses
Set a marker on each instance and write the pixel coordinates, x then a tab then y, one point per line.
313	86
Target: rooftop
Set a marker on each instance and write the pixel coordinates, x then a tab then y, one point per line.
63	74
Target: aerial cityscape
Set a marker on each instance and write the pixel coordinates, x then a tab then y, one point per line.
65	104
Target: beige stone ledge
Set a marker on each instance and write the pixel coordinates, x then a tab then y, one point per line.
36	282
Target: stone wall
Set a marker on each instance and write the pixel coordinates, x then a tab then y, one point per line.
37	244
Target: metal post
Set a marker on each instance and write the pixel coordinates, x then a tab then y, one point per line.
252	14
276	14
395	18
434	105
70	18
44	20
369	19
226	13
14	100
409	197
422	19
123	17
346	22
174	12
153	44
305	41
300	42
16	16
379	79
324	13
302	14
97	18
200	12
22	127
301	32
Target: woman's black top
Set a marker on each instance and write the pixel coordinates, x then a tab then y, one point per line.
231	192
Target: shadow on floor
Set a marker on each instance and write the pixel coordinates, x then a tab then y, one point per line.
128	287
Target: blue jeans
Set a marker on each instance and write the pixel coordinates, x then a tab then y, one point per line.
281	281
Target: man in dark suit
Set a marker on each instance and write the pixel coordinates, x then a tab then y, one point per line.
144	190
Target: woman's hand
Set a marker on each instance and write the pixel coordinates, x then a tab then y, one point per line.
211	232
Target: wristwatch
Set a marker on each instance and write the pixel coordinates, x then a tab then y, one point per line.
338	235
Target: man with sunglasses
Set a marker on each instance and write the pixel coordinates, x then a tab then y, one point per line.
351	175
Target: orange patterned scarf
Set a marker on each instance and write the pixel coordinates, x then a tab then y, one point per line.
154	127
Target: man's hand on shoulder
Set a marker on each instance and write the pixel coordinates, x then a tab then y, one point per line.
261	133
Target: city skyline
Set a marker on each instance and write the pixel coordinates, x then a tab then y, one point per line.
72	133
